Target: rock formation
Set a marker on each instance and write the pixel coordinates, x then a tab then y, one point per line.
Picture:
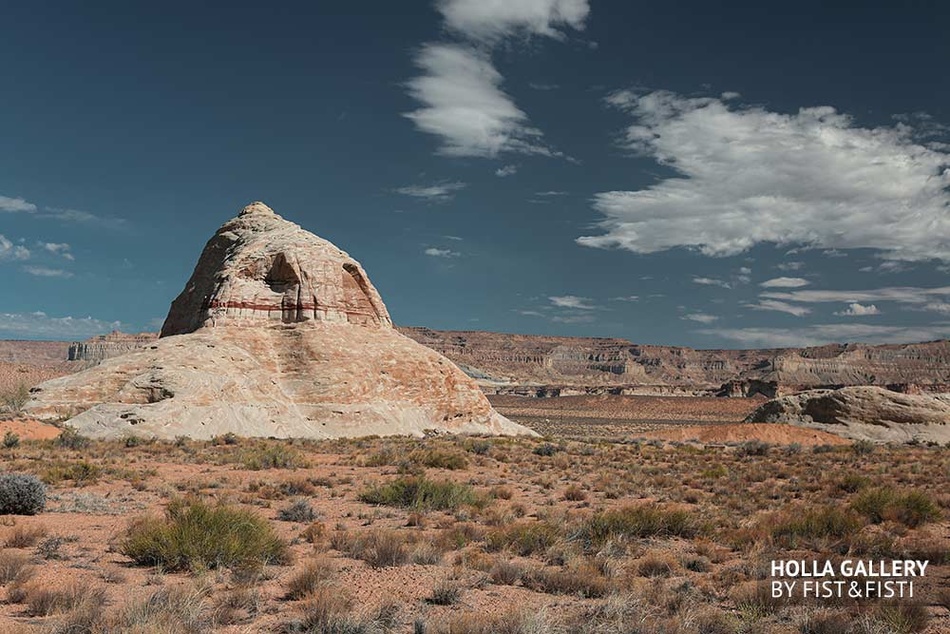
277	333
104	347
869	413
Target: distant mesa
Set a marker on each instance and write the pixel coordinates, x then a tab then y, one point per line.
863	413
277	333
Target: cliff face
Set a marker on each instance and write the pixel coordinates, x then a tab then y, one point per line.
563	364
107	346
550	366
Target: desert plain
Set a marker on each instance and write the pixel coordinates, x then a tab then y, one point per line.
643	514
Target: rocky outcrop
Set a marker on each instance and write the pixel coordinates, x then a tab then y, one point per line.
863	413
277	333
107	346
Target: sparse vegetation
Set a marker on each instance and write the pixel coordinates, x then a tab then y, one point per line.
420	493
13	399
21	494
196	535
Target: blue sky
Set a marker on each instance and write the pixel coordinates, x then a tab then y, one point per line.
672	173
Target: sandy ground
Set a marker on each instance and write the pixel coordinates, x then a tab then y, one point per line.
776	434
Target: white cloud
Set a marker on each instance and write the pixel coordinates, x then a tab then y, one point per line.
441	253
42	271
711	281
750	176
702	318
438	192
59	248
551	193
785	282
821	334
782	307
16	204
855	309
10	251
899	294
506	170
791	266
492	20
41	325
465	107
572	301
626	298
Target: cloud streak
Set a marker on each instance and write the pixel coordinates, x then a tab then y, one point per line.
438	192
10	251
748	176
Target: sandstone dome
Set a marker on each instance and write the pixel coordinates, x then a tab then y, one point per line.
278	333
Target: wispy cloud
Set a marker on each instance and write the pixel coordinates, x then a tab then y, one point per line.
40	325
858	310
749	176
506	170
10	251
438	192
785	282
626	298
492	20
462	102
702	318
572	301
464	105
821	334
59	248
15	205
441	253
43	271
551	193
899	294
781	307
711	281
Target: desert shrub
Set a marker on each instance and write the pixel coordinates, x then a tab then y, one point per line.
195	535
574	493
43	600
229	438
477	446
584	580
852	482
328	611
753	448
378	548
81	472
11	440
69	438
298	511
420	493
439	459
21	494
524	538
656	565
172	610
272	456
903	617
506	573
446	592
13	399
822	522
825	622
862	447
316	573
512	622
546	449
911	508
24	537
643	520
12	565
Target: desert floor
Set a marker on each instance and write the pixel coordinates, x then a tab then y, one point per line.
633	514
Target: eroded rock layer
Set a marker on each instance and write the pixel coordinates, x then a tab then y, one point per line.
863	413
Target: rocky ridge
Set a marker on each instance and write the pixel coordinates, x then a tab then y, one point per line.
863	413
277	333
